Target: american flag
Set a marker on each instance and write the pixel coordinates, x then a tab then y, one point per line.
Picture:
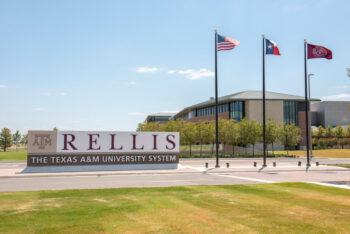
226	43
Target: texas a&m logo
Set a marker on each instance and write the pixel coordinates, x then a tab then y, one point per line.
42	140
319	51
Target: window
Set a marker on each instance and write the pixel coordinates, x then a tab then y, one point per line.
223	108
206	111
237	110
290	112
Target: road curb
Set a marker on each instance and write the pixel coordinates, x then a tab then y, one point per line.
209	171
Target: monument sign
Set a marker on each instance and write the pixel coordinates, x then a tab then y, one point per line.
66	148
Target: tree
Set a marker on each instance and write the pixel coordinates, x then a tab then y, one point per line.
16	137
24	139
5	139
348	131
249	132
339	133
170	126
243	129
148	127
209	135
223	124
329	132
230	134
187	133
223	133
271	133
200	135
321	132
290	136
256	131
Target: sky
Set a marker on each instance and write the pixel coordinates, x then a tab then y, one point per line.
105	65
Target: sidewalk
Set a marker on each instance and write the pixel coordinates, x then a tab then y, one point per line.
17	171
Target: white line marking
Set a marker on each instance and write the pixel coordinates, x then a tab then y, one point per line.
246	178
178	181
194	168
331	185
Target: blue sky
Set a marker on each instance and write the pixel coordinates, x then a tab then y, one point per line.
104	65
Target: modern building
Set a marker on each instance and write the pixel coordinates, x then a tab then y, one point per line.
282	108
159	117
330	113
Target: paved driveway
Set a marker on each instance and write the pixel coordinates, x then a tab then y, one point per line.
190	172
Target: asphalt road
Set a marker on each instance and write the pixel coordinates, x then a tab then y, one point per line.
191	172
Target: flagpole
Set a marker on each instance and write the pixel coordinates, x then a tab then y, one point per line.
264	100
306	108
216	104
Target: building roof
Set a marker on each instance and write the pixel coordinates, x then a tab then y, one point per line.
247	95
334	101
165	114
160	114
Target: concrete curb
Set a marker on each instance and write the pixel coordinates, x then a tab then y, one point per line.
153	172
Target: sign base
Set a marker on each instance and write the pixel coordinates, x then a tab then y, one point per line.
95	168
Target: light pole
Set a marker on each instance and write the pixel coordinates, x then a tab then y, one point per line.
309	99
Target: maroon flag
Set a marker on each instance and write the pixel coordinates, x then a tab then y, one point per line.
316	51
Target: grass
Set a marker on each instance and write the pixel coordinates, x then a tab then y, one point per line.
13	155
267	208
325	153
341	165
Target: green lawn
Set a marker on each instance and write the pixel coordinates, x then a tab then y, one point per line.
13	155
325	153
341	165
265	208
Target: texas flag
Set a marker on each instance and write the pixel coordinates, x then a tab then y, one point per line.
271	47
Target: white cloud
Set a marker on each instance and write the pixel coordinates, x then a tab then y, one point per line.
169	111
131	83
137	114
193	74
146	69
49	94
3	86
342	87
337	97
38	109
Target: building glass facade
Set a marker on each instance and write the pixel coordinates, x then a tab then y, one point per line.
210	110
290	112
159	118
237	110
